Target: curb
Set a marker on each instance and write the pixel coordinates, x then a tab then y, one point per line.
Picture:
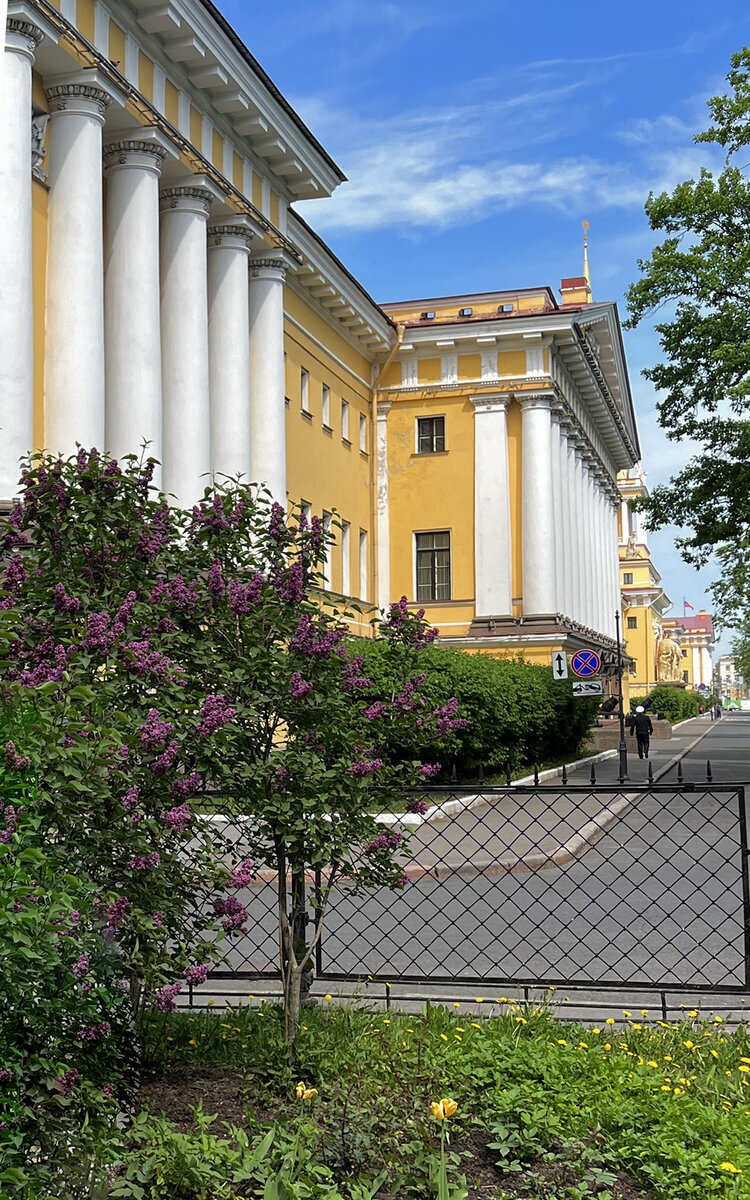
683	754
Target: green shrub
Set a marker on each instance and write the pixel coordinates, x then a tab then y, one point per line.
517	714
674	703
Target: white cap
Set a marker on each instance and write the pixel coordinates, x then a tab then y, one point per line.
640	708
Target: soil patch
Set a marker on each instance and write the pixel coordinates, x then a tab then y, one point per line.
227	1093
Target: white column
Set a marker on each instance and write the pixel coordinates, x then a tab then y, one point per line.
186	419
579	530
383	527
492	531
538	519
267	412
132	342
567	484
16	309
601	571
229	348
557	510
74	339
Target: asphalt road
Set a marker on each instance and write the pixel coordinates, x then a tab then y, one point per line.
657	899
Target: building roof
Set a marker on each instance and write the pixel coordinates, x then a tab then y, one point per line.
703	623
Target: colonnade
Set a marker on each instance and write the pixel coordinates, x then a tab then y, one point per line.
568	516
164	310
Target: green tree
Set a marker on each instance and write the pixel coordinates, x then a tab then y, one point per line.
699	278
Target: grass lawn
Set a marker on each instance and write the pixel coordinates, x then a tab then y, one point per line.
546	1108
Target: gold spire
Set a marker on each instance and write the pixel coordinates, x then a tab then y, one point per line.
586	274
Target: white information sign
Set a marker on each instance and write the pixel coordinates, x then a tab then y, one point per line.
587	687
559	665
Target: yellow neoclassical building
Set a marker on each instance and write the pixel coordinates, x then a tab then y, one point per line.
159	285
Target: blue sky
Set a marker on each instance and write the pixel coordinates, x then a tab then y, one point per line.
477	136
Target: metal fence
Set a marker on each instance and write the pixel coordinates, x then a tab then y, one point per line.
549	885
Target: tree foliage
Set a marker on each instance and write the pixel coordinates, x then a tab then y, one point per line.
699	278
165	655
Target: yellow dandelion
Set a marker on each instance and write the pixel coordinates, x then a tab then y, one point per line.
503	1000
610	1021
595	1030
328	997
192	1042
458	1037
443	1036
386	1021
730	1167
475	1025
693	1012
456	1004
479	1000
718	1020
644	1012
561	1042
460	1029
210	1004
689	1045
715	1053
521	1021
625	1013
667	1058
652	1063
607	1046
743	1068
169	1039
583	1045
665	1088
747	1060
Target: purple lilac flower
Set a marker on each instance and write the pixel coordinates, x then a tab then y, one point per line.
177	818
186	786
243	596
155	732
446	719
242	875
68	1081
375	711
314	640
80	968
291	584
277	523
280	779
108	1091
164	997
99	637
385	841
158	918
352	680
365	767
297	686
417	806
130	799
144	661
398	614
5	1075
430	770
216	712
234	914
10	820
156	536
197	974
143	862
215	579
94	1033
115	913
166	761
63	602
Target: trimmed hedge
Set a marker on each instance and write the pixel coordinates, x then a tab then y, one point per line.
675	704
517	714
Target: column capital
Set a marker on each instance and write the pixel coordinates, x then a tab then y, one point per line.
231	235
83	99
271	264
22	36
384	407
134	152
543	400
489	402
186	197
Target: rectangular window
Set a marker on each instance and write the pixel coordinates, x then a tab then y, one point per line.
632	622
305	390
430	435
345	420
345	552
327	559
326	411
306	510
363	433
433	566
627	577
362	564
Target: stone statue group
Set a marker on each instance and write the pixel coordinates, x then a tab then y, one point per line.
669	661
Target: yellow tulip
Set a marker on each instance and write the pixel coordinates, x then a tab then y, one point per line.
449	1106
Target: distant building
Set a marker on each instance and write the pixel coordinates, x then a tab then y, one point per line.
727	680
644	601
696	638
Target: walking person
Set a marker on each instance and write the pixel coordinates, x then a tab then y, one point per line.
642	728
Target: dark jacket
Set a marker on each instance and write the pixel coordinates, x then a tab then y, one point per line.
642	726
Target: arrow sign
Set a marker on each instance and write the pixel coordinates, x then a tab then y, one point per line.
559	665
587	687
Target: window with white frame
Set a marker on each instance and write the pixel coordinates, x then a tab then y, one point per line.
306	510
430	435
363	564
433	565
345	420
327	559
304	390
363	433
326	407
345	563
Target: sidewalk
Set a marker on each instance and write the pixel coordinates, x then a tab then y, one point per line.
663	755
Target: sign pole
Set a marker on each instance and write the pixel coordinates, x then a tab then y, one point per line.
623	744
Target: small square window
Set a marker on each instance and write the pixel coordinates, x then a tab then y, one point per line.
632	622
430	435
465	312
627	577
433	553
427	316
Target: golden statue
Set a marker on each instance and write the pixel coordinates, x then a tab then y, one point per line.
669	659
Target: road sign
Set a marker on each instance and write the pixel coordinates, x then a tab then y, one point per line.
587	687
559	665
585	663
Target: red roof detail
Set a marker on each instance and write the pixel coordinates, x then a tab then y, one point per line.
577	282
700	624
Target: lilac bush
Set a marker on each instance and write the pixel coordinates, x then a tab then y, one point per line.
170	653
